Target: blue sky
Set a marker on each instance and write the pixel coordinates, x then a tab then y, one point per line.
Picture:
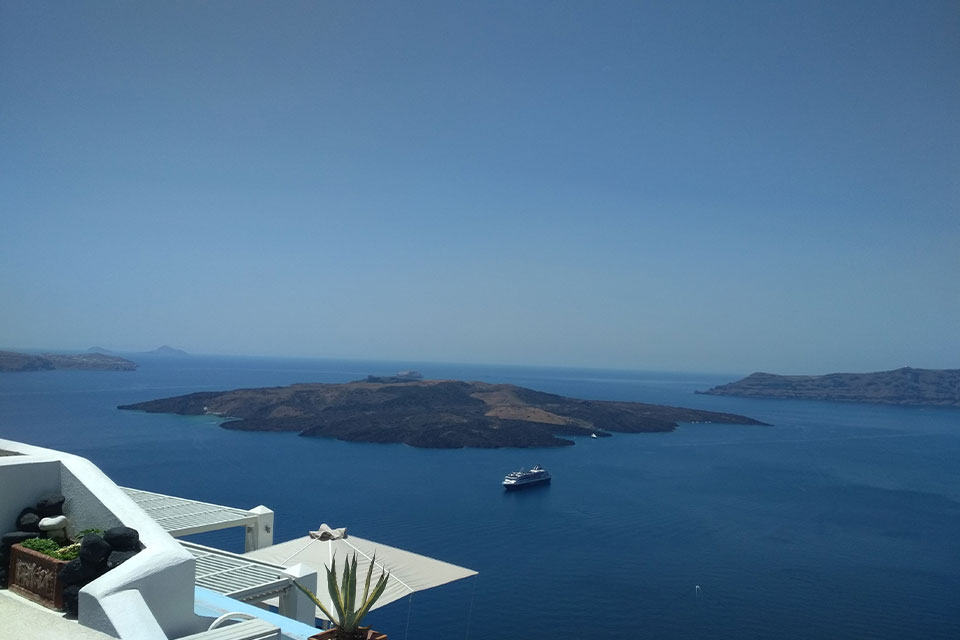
689	186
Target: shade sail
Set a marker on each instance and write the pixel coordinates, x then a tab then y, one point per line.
409	572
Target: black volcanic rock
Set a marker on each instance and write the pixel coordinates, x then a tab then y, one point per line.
50	505
430	413
16	537
906	386
117	558
71	599
94	551
28	520
122	538
78	572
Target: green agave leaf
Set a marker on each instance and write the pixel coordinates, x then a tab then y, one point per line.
345	580
351	596
344	595
335	592
315	599
374	596
366	584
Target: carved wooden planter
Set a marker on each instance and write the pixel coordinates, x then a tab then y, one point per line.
366	633
36	576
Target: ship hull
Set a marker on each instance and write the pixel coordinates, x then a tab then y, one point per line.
525	485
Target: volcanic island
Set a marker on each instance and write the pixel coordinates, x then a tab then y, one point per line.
16	361
904	386
443	414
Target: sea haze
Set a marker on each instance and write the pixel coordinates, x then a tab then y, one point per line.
841	520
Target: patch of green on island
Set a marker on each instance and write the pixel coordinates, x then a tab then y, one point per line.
906	386
430	413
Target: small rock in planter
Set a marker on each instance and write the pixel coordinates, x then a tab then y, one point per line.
74	572
71	599
122	538
94	551
50	505
28	520
117	558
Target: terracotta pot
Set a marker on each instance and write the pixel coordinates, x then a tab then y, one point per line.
36	576
331	634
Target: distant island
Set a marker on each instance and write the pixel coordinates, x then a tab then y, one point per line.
163	350
906	386
15	361
430	413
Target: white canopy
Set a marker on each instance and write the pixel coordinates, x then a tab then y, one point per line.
409	572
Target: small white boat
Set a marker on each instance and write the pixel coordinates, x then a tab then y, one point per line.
593	435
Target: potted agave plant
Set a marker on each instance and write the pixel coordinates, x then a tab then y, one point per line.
349	613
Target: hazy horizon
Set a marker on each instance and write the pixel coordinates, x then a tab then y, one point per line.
406	362
766	186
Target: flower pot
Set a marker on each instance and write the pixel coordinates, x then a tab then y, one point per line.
36	576
365	633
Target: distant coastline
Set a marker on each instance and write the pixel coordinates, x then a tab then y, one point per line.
905	386
13	361
430	413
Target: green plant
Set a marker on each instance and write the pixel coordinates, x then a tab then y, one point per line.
45	546
344	596
52	548
80	535
68	552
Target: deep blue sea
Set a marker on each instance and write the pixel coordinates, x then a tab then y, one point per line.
840	521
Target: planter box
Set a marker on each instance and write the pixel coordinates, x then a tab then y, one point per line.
368	634
36	576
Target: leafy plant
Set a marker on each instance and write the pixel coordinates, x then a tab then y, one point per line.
69	552
80	535
52	548
344	595
45	546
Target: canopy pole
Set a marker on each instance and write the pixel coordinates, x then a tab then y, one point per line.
406	630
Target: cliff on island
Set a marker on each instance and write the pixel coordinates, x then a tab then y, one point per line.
906	386
15	361
430	413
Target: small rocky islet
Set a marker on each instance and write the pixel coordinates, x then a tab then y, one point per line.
444	414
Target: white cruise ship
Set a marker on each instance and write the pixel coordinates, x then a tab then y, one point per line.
520	479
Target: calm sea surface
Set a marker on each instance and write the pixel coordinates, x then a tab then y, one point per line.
841	521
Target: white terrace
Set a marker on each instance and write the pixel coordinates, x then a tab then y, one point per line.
171	590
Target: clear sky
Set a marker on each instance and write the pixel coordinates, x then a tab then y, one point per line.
711	186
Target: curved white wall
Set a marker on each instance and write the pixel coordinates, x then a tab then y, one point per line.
149	596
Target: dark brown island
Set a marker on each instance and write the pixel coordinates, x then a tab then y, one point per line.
906	386
430	413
